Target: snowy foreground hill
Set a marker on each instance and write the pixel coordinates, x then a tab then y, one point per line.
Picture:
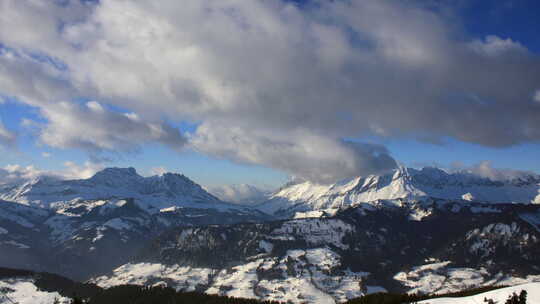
23	291
498	296
421	231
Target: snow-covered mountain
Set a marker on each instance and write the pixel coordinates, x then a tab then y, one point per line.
153	192
412	230
403	183
68	226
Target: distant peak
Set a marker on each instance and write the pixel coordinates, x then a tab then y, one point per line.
433	171
43	179
115	171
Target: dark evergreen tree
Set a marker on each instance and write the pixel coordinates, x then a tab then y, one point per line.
77	300
512	299
489	301
523	297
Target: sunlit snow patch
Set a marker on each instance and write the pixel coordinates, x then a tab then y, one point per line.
25	292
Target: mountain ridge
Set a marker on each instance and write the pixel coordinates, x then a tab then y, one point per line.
402	183
156	192
326	243
67	226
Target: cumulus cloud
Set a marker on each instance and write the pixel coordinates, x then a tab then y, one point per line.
496	46
7	138
537	96
243	194
14	173
75	171
300	152
272	83
486	169
158	171
92	127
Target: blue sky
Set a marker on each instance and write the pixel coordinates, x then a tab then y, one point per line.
513	22
514	19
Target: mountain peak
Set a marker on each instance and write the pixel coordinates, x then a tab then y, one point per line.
115	171
403	183
169	189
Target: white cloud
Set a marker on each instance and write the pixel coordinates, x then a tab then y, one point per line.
46	154
158	171
240	194
15	173
496	46
486	169
93	128
31	80
74	171
7	138
271	84
537	96
301	152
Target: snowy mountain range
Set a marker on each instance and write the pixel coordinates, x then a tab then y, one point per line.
53	225
309	199
153	193
410	230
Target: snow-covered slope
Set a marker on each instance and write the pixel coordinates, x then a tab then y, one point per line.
498	295
403	183
23	291
317	278
362	249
